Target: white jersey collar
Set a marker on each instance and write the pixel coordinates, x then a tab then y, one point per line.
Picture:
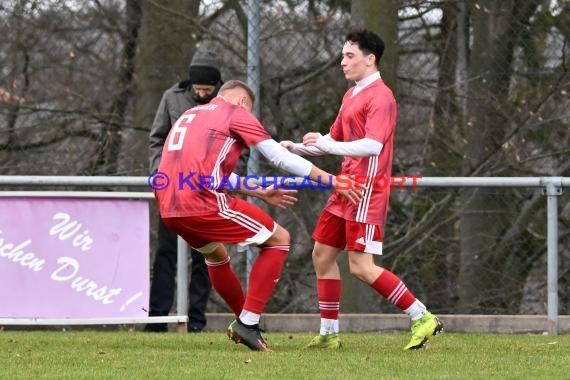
361	84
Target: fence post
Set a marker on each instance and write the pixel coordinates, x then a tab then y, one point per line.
553	188
182	283
253	81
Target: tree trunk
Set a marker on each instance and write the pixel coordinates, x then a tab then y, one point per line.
22	84
381	17
496	25
110	140
446	120
167	43
444	142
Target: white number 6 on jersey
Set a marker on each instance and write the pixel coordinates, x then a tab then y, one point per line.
178	132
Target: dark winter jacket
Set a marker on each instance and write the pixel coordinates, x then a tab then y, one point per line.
175	101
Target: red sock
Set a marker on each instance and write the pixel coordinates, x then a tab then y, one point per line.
227	284
393	289
328	291
264	276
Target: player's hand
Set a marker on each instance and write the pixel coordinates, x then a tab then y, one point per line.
348	188
289	145
310	139
280	197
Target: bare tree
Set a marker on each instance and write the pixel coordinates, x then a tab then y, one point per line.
109	142
496	30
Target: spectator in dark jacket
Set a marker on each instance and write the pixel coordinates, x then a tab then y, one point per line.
202	86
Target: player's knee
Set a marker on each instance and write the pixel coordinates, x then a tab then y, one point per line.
317	257
280	237
319	263
358	269
357	273
206	250
321	260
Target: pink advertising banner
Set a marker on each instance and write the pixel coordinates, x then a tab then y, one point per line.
73	258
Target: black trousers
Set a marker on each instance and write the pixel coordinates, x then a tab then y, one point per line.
163	282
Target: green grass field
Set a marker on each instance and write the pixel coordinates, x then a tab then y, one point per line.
137	355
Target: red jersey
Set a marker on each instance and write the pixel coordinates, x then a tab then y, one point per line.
371	113
199	154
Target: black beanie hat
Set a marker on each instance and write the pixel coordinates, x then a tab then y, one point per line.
205	68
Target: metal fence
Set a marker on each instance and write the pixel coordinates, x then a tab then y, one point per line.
470	103
529	268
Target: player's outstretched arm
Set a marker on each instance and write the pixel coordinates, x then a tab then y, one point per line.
283	159
365	147
301	149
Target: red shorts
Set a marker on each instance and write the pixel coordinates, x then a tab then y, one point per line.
345	234
243	223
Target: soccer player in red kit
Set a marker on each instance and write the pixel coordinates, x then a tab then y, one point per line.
201	151
363	133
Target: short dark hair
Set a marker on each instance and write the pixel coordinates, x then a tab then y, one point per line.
234	83
367	41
